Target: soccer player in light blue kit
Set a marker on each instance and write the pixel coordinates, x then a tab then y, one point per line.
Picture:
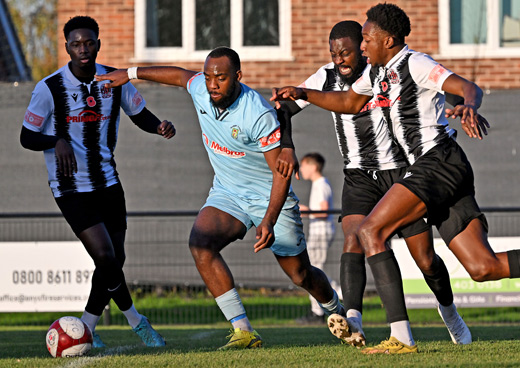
241	135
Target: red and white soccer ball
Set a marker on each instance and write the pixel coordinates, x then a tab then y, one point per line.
68	337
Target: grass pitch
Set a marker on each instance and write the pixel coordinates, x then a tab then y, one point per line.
494	346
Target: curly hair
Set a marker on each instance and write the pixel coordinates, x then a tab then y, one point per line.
78	22
347	28
390	18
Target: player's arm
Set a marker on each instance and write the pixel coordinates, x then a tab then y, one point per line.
472	95
348	102
162	74
37	141
287	162
148	122
455	100
279	190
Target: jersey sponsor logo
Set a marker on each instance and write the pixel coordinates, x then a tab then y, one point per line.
206	140
436	73
91	101
235	130
87	116
137	99
379	101
271	138
33	119
392	76
221	150
105	91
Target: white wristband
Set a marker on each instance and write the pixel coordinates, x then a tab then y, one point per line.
132	72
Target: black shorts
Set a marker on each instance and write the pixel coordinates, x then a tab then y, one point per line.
83	210
362	190
443	179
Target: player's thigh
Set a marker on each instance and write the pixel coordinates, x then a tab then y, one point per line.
398	208
471	246
98	243
214	229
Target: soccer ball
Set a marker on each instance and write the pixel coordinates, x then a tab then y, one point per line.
68	337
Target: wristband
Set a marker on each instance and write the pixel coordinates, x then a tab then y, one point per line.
132	72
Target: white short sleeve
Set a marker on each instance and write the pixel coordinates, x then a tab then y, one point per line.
316	82
40	108
131	100
428	73
363	86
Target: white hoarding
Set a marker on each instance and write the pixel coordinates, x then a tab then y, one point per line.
44	276
467	293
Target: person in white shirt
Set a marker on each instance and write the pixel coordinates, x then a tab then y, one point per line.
321	225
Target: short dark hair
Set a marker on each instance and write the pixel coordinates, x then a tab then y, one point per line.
390	18
315	158
347	28
78	22
229	53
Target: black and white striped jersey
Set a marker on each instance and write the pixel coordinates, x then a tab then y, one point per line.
364	139
86	116
408	89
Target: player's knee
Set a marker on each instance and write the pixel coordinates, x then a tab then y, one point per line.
482	271
370	237
300	278
351	244
105	258
426	266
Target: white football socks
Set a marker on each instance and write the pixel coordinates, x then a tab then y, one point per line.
133	317
402	332
90	319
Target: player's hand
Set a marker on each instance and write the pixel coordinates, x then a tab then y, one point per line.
265	236
67	164
117	78
468	119
287	94
287	163
166	129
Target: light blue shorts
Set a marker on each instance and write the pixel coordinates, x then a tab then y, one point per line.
288	230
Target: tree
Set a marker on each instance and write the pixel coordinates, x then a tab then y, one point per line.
36	22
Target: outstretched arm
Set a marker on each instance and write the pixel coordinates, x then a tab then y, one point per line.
148	122
341	102
279	190
472	95
455	100
287	162
163	74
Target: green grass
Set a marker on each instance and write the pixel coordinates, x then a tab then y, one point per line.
289	346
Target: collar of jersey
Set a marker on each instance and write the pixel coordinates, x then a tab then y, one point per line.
72	78
397	57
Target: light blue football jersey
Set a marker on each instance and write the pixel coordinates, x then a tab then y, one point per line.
235	140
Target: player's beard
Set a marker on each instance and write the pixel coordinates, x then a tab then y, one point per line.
226	100
361	65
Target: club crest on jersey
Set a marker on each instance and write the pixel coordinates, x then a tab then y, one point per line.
91	101
235	130
392	76
106	92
